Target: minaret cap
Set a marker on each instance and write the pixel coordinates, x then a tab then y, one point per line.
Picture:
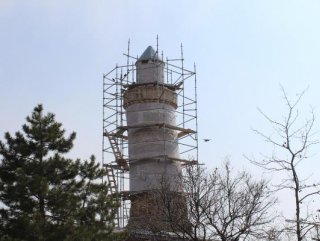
149	54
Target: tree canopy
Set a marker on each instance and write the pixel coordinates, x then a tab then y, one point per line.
46	196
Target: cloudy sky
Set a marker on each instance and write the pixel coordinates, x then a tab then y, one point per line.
55	53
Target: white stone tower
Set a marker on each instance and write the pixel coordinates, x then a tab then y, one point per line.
149	136
152	136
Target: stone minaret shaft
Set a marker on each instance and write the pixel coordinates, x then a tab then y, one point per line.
150	106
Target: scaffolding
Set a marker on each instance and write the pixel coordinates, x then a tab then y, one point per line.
115	136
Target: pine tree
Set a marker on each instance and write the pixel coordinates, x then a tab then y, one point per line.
45	196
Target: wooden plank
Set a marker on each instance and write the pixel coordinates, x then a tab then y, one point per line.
158	125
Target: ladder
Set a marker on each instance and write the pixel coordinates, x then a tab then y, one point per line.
113	190
120	160
112	170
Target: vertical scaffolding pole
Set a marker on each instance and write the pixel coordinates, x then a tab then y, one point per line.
182	77
196	110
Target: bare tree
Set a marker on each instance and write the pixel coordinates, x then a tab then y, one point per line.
220	205
316	231
291	142
241	206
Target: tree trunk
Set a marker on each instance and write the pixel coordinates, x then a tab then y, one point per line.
296	193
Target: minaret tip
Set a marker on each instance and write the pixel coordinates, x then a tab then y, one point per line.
149	54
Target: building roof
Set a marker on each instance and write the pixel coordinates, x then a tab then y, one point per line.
149	54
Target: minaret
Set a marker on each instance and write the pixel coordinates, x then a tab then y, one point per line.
150	106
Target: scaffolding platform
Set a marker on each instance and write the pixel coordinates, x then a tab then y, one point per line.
181	131
165	158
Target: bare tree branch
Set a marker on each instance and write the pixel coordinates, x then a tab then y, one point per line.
294	142
222	205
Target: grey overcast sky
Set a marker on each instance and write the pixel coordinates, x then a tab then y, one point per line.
55	52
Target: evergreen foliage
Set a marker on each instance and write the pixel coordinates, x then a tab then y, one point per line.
45	196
